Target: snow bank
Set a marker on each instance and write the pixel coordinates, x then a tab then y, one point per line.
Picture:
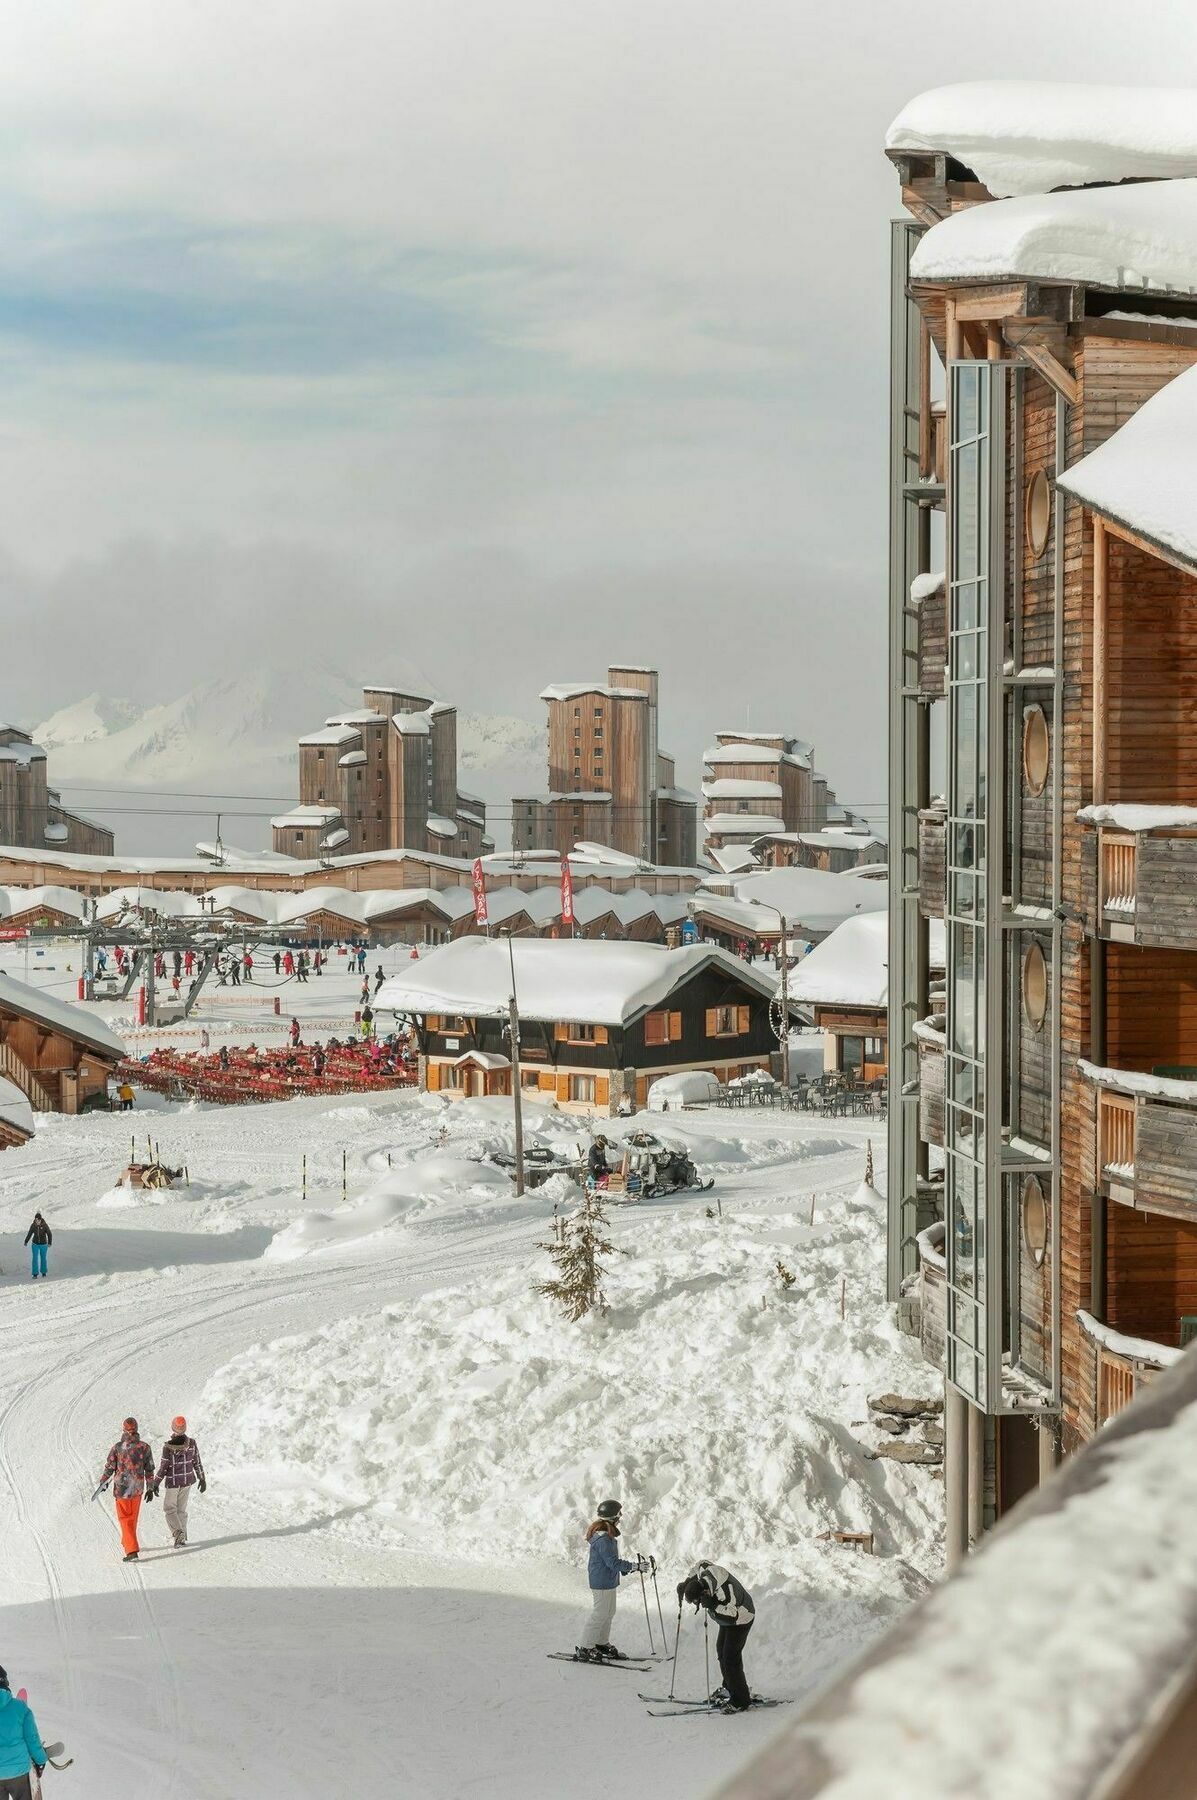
693	1087
402	1193
1143	236
722	1410
1027	137
1145	475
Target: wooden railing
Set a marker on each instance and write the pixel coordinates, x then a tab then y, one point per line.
1115	1132
1116	1384
38	1096
1118	874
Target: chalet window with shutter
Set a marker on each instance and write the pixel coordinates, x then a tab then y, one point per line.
727	1021
582	1087
663	1028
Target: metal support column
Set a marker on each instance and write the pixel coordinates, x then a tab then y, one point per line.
976	1475
955	1475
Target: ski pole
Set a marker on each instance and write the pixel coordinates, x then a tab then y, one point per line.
677	1636
706	1644
652	1648
657	1592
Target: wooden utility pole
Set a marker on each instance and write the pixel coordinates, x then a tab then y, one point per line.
785	1004
513	1014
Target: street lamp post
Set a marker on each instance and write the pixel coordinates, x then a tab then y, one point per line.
516	1094
783	1032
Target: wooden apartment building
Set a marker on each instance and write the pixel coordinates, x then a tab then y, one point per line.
1043	607
382	777
31	813
609	780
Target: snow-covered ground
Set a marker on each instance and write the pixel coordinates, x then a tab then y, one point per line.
405	1444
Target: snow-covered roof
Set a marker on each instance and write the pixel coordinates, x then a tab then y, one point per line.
15	902
351	758
735	788
681	794
740	825
411	724
840	837
365	717
1141	237
75	1021
575	796
331	734
1145	475
171	903
441	827
335	839
451	902
483	1059
1028	137
300	817
574	690
851	967
22	753
336	900
741	753
733	858
589	980
812	900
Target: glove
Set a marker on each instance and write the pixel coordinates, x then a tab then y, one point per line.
642	1565
149	1495
681	1592
203	1487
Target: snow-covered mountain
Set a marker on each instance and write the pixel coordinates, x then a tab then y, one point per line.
233	741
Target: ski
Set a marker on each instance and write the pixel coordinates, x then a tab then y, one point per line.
671	1700
696	1709
639	1668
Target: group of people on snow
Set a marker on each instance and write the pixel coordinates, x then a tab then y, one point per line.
707	1586
130	1470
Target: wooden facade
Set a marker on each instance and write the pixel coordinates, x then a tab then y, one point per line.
1090	956
710	1021
57	1066
31	812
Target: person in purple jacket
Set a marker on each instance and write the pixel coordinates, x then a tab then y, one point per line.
180	1468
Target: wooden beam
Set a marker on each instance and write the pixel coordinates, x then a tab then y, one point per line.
1100	635
1029	340
1141	543
1001	302
952	329
926	424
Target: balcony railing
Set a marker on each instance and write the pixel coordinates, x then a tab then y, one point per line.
1124	1364
932	860
929	1035
1147	880
1146	1149
1117	876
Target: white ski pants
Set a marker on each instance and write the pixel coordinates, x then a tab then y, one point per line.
174	1507
602	1617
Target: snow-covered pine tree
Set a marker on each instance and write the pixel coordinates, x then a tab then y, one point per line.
578	1288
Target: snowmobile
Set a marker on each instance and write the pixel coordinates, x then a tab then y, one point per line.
540	1162
661	1168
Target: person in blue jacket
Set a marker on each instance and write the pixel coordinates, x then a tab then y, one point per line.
21	1747
606	1567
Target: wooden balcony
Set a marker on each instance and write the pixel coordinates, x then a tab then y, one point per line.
1147	888
932	613
1124	1365
929	1035
1147	1141
932	861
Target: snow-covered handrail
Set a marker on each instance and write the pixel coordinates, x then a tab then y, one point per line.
1134	1349
1128	816
928	1032
1136	1082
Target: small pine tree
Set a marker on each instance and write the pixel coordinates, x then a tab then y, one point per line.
786	1276
575	1251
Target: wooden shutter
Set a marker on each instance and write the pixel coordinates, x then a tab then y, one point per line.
548	1082
600	1034
432	1022
712	1021
602	1090
743	1020
563	1087
433	1076
656	1025
561	1031
675	1028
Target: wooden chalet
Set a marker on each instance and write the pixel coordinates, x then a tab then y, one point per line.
1044	585
58	1055
598	1021
843	983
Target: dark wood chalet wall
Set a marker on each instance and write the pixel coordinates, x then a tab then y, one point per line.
1151	1273
931	1091
1151	1007
1166	909
1152	663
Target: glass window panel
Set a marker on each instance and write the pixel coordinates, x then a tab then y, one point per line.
964	607
964	511
966	403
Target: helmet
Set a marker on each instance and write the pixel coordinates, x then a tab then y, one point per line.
610	1509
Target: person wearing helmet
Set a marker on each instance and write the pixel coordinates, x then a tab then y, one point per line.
181	1469
130	1467
606	1567
729	1603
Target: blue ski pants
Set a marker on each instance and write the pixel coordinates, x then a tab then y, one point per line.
39	1258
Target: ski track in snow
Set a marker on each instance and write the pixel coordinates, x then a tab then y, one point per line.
295	1643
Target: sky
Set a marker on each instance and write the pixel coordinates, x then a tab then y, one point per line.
499	341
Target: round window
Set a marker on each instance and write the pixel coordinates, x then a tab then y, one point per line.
1034	1219
1039	513
1034	986
1036	748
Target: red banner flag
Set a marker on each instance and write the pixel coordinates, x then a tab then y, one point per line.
567	893
481	911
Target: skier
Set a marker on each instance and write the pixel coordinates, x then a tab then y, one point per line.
367	1024
379	978
606	1567
288	964
42	1238
361	960
296	1034
278	960
125	1095
181	1469
247	964
235	970
363	998
318	962
131	1462
21	1747
729	1603
301	967
189	964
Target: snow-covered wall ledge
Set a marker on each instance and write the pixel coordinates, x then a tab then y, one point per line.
931	1246
1126	816
1161	1356
1060	1658
1136	1082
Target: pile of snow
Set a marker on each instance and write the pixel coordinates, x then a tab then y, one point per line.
400	1195
1145	475
722	1410
693	1087
1027	137
1128	816
1138	237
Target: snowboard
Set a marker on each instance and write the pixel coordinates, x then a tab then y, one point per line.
53	1751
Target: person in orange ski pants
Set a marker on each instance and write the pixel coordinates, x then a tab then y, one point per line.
130	1467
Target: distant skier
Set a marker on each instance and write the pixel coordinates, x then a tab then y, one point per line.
41	1237
125	1095
379	978
21	1747
189	964
296	1034
130	1467
730	1604
361	960
301	966
235	971
180	1469
278	961
247	965
606	1567
288	964
367	1024
318	962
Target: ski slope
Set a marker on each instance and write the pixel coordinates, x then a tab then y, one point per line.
318	1637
